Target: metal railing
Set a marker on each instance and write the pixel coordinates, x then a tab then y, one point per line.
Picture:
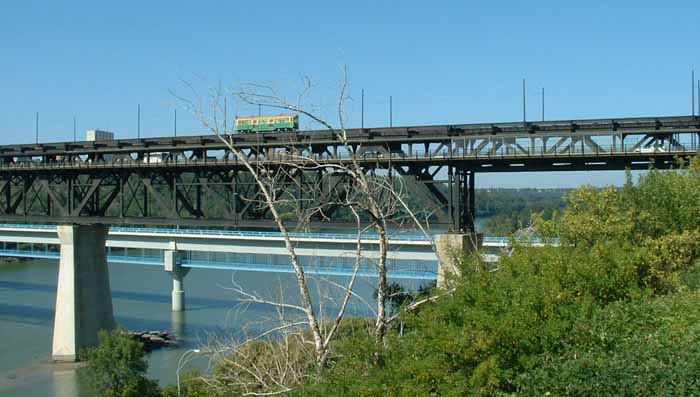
256	233
504	151
314	270
241	266
268	234
239	233
26	226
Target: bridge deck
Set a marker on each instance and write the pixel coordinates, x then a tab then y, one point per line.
43	243
237	266
407	134
198	181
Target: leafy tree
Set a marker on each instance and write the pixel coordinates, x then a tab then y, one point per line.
640	348
509	210
397	296
612	299
612	310
192	384
116	368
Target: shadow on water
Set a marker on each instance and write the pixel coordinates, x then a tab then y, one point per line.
33	315
27	314
45	317
193	302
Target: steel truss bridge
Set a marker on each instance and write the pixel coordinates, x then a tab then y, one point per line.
196	180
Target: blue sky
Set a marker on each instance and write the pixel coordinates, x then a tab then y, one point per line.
442	61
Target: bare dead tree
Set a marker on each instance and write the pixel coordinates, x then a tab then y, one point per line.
378	200
270	180
377	197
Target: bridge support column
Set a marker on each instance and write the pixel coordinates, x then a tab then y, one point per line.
461	200
171	261
83	299
450	248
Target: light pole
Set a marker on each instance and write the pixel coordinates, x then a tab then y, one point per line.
391	112
524	114
138	121
179	366
362	111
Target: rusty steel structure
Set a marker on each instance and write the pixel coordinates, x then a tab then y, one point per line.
196	180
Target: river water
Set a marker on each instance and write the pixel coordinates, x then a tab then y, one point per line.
141	299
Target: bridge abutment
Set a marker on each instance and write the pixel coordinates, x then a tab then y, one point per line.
84	298
171	261
450	248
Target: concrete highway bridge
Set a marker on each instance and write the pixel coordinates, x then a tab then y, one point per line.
411	256
83	302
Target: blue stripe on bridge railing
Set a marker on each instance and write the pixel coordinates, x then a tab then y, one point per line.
253	267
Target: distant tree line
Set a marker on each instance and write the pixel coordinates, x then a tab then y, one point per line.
508	210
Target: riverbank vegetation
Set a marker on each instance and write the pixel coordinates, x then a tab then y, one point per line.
609	310
117	367
508	210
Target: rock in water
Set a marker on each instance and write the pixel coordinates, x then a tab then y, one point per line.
153	340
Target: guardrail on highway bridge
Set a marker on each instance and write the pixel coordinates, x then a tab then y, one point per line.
487	241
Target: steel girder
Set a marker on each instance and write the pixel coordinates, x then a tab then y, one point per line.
546	136
114	194
199	181
224	197
446	193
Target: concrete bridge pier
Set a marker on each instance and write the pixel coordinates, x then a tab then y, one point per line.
177	324
171	261
450	248
84	298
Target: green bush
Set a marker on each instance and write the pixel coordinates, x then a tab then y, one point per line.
192	384
539	309
644	348
116	368
549	315
610	311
